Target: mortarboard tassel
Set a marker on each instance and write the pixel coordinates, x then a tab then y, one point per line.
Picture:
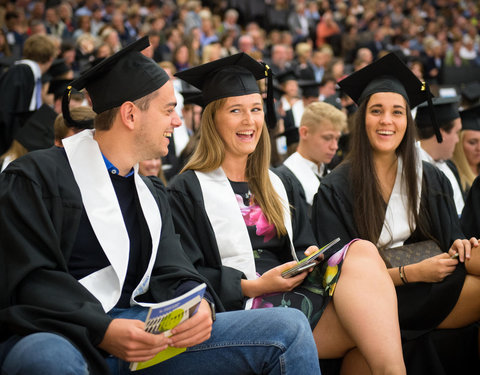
270	117
69	121
436	127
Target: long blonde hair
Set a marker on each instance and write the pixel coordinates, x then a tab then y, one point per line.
464	171
210	153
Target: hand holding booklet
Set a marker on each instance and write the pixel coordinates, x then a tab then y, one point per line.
309	261
164	316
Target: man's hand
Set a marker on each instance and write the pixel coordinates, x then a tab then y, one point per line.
194	330
126	339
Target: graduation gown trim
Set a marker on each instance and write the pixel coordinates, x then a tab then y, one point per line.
103	210
396	228
302	171
227	222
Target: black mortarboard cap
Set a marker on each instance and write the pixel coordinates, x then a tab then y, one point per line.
471	91
446	110
288	75
127	75
389	74
58	68
58	86
309	88
192	95
235	75
37	132
471	118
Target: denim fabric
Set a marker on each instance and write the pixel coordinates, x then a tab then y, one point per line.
264	341
44	354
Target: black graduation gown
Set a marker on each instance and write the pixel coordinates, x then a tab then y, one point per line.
198	239
285	172
41	208
422	306
470	219
16	90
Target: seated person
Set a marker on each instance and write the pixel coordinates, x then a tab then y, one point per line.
319	132
87	245
235	223
384	193
439	154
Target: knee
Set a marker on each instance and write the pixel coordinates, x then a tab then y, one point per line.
44	353
365	251
291	322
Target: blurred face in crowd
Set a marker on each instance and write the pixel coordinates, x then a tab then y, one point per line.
450	139
150	167
471	147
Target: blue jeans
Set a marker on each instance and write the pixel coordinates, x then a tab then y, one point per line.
264	341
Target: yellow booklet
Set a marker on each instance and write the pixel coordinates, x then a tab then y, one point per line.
163	317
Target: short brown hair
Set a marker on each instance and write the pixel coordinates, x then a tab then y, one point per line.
78	114
39	48
104	121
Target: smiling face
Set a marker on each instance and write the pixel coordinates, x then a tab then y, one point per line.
239	123
156	124
385	121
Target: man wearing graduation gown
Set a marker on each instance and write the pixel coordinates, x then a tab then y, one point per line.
439	154
20	86
319	132
87	244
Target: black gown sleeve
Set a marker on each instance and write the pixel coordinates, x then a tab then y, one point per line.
198	240
470	219
303	235
37	292
332	210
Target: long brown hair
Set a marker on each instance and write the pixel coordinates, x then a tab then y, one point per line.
209	156
368	205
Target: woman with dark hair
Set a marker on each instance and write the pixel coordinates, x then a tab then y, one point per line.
385	194
236	222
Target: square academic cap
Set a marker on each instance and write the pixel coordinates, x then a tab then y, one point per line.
125	76
310	88
235	75
192	95
471	118
446	110
288	75
471	91
389	74
58	86
37	132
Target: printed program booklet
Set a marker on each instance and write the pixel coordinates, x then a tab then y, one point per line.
164	316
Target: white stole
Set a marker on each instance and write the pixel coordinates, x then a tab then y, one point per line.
396	228
103	211
227	222
303	171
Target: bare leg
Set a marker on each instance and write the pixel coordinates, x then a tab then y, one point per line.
467	308
364	313
354	363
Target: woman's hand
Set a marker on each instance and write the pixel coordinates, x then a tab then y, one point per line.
463	247
431	270
272	281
